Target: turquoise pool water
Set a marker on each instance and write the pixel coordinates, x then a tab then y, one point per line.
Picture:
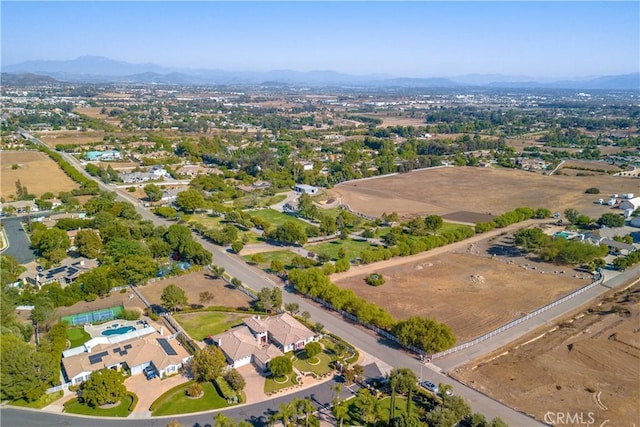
562	234
118	331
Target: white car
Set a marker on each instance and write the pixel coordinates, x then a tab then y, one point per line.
427	385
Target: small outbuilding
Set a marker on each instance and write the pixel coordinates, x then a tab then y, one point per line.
630	204
306	189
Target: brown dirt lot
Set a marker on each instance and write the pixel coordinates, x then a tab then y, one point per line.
36	171
449	190
472	294
193	284
70	137
588	364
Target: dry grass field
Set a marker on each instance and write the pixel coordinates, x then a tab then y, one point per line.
64	137
588	364
471	291
191	283
450	190
36	171
400	121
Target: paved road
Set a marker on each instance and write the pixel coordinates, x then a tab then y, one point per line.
19	244
257	413
385	351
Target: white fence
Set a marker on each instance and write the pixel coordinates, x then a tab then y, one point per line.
596	282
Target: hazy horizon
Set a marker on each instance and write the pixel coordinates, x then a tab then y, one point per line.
410	39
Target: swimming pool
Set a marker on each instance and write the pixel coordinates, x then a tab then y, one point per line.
118	331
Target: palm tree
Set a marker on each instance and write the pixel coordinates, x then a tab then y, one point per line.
340	411
401	380
286	414
306	409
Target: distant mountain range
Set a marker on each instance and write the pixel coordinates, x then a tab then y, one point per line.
97	69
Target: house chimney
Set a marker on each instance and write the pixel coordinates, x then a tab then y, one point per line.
82	262
219	342
161	330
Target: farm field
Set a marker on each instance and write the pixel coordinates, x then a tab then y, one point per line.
452	190
470	290
586	364
53	138
36	171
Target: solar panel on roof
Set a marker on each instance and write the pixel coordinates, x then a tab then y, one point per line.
117	350
97	358
71	271
57	270
127	347
167	347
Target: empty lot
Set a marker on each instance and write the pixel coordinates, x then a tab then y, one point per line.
451	190
35	170
587	364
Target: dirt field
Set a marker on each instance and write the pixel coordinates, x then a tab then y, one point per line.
54	138
588	364
192	283
36	171
450	190
500	288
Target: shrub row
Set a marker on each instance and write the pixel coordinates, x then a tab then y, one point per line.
512	217
88	185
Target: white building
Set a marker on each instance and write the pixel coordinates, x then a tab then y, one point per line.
630	204
262	339
306	189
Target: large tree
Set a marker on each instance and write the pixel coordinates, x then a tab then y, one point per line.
280	366
190	200
208	363
26	372
173	298
153	192
88	243
289	233
426	334
52	243
103	387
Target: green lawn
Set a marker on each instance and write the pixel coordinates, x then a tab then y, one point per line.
176	401
270	385
449	226
45	400
77	337
303	364
284	255
202	324
276	218
216	222
332	248
206	220
122	410
332	212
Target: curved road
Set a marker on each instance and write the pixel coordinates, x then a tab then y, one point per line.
386	351
19	244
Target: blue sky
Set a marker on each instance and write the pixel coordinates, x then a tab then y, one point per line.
413	39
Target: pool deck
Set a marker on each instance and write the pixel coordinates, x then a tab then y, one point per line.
96	330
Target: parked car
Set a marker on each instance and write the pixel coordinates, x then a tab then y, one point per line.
150	372
427	385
